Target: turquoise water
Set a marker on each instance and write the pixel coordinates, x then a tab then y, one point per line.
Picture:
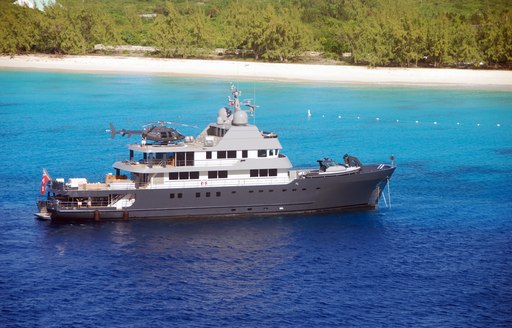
442	255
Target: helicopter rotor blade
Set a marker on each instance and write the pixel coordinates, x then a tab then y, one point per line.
163	123
181	124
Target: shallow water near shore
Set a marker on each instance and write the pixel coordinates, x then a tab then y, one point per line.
440	256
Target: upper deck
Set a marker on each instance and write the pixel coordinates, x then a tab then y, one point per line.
216	137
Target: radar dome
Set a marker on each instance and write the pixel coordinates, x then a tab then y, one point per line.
222	116
240	118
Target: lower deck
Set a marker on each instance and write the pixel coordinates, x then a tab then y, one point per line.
305	194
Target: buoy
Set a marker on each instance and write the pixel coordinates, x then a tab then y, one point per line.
498	125
358	117
309	113
377	118
397	121
417	122
339	116
435	123
478	124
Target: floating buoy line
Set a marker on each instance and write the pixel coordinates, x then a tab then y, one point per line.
417	122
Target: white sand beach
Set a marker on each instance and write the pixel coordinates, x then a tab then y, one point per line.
498	79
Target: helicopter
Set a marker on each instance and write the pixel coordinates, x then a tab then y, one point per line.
157	132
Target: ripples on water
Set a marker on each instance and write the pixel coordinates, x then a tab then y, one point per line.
442	256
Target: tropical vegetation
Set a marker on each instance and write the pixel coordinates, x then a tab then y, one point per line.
366	32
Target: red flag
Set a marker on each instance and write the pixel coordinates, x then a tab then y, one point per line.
46	178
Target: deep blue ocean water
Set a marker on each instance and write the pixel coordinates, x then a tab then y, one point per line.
440	257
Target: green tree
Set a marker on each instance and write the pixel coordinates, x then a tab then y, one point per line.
61	32
19	32
96	26
265	32
177	35
438	41
169	34
464	47
495	33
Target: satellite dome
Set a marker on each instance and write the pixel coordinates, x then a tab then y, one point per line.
240	118
222	115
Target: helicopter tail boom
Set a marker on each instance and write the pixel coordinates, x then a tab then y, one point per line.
122	132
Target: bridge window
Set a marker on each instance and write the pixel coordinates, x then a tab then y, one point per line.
232	154
244	153
262	153
185	158
221	154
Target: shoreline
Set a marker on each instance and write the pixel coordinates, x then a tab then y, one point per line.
446	77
